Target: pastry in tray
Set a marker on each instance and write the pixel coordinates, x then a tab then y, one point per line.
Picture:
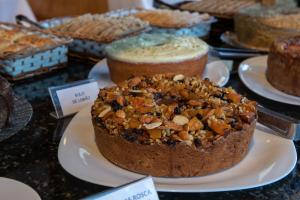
257	27
6	103
12	48
25	53
171	18
10	35
224	8
35	41
283	71
4	43
176	22
100	28
150	54
15	40
173	126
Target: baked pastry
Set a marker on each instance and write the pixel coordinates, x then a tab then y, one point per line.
26	52
35	41
6	102
173	126
171	18
100	28
13	48
176	22
283	71
15	41
10	34
150	54
224	9
4	43
257	27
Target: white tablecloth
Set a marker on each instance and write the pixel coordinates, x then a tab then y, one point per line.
10	8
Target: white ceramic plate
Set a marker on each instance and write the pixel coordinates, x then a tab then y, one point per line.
12	189
216	71
270	158
252	73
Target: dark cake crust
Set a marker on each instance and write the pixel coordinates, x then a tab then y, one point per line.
283	71
180	160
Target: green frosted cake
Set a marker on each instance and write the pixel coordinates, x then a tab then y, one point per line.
150	54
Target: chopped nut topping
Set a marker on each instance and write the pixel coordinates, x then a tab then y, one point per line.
146	118
172	109
155	133
121	100
105	110
184	135
178	77
172	125
218	126
180	120
120	114
152	125
195	124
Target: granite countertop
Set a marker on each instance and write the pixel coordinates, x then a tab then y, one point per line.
30	156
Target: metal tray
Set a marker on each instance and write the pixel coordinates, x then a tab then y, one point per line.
33	62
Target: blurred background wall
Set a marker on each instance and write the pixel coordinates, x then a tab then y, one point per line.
54	8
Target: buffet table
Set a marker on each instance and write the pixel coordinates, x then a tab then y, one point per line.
59	158
30	156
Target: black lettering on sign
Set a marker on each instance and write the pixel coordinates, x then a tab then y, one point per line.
79	94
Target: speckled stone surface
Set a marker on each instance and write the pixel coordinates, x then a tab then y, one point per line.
31	155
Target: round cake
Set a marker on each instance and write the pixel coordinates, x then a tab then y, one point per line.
257	27
173	126
150	54
283	71
6	102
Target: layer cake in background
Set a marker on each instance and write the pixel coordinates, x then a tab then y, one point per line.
258	26
283	68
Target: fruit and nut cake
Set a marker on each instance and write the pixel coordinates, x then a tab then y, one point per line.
172	125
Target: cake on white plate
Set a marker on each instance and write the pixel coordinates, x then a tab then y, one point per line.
150	54
173	126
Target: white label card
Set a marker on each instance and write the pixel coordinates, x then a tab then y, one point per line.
70	98
142	189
